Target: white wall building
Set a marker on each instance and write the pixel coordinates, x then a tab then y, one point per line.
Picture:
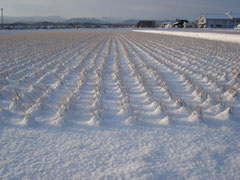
227	20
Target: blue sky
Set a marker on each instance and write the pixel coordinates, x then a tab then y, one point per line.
150	9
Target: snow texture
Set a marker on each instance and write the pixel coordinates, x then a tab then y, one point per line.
235	38
118	105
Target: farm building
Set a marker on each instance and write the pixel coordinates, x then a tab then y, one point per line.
145	23
226	20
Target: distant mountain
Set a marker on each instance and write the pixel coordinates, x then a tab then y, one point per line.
33	19
112	20
129	21
103	20
84	20
56	19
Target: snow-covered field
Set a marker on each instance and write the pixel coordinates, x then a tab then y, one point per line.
118	105
218	35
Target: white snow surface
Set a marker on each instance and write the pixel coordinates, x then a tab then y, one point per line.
235	38
118	105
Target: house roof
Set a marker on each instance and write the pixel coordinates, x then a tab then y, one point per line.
228	15
216	16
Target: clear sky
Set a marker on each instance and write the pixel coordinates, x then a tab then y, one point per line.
151	9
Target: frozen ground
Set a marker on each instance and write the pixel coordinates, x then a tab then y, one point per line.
62	30
118	104
218	35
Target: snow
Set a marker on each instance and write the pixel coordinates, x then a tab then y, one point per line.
216	16
61	30
235	38
139	152
118	105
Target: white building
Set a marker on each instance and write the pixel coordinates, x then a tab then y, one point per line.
227	20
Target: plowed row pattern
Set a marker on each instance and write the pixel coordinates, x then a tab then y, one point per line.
116	78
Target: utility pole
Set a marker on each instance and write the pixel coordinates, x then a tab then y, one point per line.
2	19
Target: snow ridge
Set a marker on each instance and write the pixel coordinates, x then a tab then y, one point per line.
234	38
118	104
